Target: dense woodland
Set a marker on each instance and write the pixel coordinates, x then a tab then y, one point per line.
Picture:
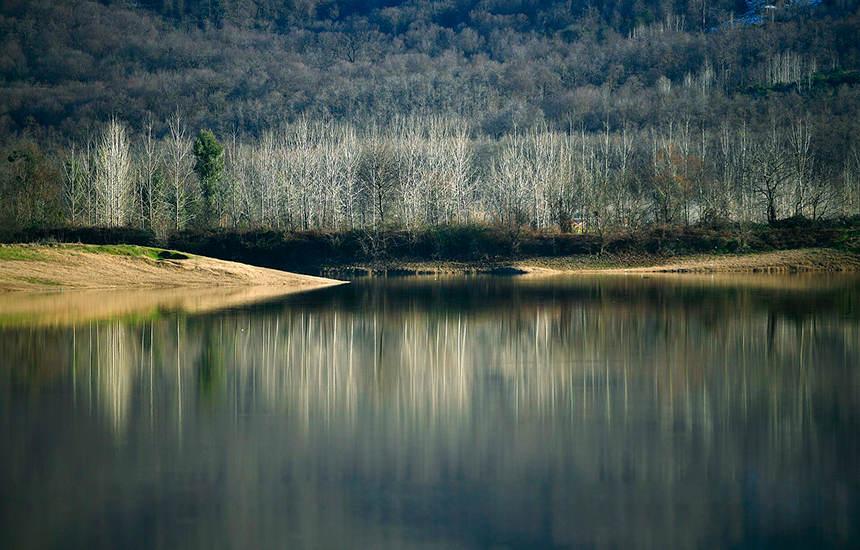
343	115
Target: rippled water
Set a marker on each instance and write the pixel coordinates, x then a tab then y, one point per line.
467	412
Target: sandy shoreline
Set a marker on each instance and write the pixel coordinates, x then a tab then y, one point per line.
67	284
79	267
809	260
82	267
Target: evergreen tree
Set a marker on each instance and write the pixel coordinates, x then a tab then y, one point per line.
209	166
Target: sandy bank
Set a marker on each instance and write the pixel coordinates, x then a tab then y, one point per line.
85	267
786	261
783	261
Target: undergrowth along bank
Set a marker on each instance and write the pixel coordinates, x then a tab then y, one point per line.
315	252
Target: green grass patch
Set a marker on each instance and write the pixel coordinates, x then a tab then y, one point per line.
33	252
20	253
38	281
131	250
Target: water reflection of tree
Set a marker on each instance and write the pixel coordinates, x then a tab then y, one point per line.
568	402
211	367
440	365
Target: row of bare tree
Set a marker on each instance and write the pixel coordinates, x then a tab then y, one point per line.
314	175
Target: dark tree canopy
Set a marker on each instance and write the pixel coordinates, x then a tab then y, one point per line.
209	166
209	158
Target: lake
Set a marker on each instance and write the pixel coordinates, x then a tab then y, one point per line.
612	411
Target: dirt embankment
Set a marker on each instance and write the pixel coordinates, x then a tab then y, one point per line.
79	267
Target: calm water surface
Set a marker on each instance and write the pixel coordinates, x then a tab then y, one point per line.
472	412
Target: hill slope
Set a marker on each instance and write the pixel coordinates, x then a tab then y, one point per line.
248	65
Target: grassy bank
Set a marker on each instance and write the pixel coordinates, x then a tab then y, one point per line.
482	248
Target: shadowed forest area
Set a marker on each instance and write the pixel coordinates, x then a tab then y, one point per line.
225	117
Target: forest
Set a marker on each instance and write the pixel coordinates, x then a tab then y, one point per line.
339	116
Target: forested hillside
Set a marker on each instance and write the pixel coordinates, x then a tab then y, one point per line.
338	115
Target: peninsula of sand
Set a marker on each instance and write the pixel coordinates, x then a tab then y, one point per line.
90	267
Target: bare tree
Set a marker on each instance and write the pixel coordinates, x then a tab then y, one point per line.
459	149
769	172
342	155
179	194
268	164
150	177
76	181
802	163
510	180
239	195
113	175
850	189
377	171
412	152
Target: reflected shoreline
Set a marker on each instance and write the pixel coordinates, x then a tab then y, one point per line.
68	308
